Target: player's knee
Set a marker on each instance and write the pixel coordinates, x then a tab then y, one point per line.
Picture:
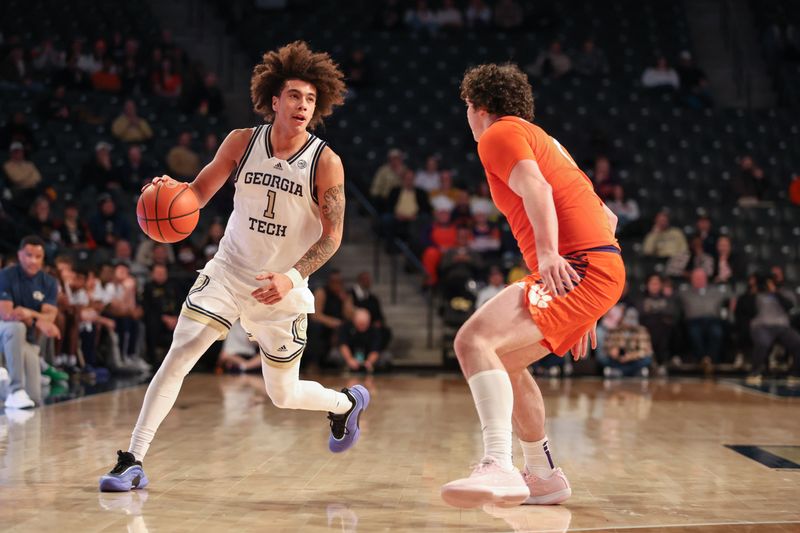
282	398
467	342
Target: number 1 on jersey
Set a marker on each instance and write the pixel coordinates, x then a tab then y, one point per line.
269	212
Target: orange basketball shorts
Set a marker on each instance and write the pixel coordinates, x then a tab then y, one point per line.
564	319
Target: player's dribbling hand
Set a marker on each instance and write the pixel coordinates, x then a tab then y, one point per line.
165	179
581	348
557	274
278	285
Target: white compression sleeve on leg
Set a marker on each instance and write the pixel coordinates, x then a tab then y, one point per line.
190	341
494	399
287	391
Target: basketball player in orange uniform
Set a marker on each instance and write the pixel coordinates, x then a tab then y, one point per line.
566	236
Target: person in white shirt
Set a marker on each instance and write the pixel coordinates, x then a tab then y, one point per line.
661	75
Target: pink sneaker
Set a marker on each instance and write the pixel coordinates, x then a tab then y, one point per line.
550	491
489	483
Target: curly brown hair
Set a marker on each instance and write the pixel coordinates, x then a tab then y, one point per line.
499	89
297	61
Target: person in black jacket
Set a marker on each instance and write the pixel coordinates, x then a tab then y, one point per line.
363	297
163	305
767	312
405	207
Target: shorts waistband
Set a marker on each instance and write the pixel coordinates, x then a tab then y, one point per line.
607	248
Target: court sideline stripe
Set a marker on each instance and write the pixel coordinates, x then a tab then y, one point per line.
699	524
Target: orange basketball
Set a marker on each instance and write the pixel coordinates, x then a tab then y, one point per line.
167	211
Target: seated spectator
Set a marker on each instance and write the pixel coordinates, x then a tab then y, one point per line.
701	306
239	353
406	205
106	79
333	306
186	258
698	258
73	231
72	77
362	296
130	127
440	237
210	147
421	18
459	264
182	161
659	312
728	266
626	209
478	14
508	15
15	71
27	309
485	234
629	349
18	130
749	183
494	286
387	177
389	16
22	177
357	70
135	171
55	106
693	82
704	229
446	188
359	344
107	225
162	301
211	241
602	178
41	224
165	81
87	323
794	190
150	252
99	173
210	99
449	16
461	213
429	178
126	312
660	76
767	312
481	200
47	58
590	61
91	62
664	240
123	254
779	279
551	63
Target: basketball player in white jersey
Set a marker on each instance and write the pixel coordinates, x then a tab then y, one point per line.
286	223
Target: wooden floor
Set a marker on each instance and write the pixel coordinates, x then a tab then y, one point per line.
639	456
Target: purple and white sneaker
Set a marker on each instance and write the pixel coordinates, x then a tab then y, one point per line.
128	474
344	427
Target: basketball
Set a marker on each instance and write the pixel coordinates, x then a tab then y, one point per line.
167	211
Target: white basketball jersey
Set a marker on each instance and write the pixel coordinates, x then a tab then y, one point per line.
275	218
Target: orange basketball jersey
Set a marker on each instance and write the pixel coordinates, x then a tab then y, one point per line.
582	223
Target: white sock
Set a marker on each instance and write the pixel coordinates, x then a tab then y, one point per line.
494	399
538	460
287	391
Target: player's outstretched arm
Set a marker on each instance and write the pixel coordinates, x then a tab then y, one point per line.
214	174
330	191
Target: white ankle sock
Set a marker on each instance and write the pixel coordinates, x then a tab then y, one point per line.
537	458
494	399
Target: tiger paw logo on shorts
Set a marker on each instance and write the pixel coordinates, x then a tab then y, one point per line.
538	297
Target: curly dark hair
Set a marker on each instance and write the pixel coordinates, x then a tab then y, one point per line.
499	89
297	61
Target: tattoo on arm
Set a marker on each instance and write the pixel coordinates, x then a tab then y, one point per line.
326	246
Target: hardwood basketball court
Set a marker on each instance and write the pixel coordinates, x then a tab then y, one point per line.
641	456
